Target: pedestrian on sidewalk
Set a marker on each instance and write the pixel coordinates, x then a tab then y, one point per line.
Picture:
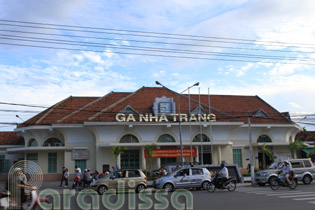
66	177
62	176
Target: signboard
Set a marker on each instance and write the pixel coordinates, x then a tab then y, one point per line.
121	117
80	155
161	153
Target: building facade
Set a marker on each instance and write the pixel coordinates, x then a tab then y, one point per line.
83	130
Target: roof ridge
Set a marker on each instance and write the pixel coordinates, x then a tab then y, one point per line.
114	104
83	107
49	111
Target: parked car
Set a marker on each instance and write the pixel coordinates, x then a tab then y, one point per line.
132	179
185	178
303	168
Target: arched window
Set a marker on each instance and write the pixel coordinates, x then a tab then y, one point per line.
32	143
129	139
264	139
166	138
53	142
205	138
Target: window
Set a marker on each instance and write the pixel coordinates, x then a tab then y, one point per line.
53	142
81	164
133	173
264	139
32	143
184	172
196	171
4	165
32	156
205	138
237	157
296	164
307	163
129	139
166	138
52	162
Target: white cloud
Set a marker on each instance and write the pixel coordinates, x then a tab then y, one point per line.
295	105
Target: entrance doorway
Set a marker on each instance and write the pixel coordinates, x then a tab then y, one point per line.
129	159
263	160
206	155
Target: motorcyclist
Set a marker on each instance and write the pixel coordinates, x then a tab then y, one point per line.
17	185
285	171
223	174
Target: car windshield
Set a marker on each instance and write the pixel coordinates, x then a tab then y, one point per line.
275	165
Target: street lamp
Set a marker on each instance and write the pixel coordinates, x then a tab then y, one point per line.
19	117
179	120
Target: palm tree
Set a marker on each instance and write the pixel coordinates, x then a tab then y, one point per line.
150	152
295	146
117	150
268	153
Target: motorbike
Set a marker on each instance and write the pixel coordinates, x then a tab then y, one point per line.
277	181
31	204
230	184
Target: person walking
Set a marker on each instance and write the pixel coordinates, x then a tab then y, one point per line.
62	176
66	177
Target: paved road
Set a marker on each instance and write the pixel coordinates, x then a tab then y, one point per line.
245	197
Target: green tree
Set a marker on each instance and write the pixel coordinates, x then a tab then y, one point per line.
295	146
117	150
266	152
150	152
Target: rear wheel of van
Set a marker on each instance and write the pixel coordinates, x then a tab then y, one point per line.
101	189
205	185
169	187
307	179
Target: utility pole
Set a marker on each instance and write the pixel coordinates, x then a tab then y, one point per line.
252	175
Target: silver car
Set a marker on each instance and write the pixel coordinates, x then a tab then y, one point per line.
185	178
303	168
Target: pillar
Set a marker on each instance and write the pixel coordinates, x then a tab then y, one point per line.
158	161
143	162
219	154
197	157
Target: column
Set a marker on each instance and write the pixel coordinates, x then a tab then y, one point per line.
197	157
158	160
144	164
219	154
118	161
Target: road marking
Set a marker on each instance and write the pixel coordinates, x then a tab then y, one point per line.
303	199
292	196
290	193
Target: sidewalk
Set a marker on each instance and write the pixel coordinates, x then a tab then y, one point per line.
55	185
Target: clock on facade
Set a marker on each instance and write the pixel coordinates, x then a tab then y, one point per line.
165	107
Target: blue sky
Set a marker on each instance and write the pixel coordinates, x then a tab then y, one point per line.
45	76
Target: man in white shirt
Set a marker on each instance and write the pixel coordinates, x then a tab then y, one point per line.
224	174
286	171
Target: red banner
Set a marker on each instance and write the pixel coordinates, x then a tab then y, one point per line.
160	153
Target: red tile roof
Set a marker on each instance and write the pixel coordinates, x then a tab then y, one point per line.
11	138
227	108
305	136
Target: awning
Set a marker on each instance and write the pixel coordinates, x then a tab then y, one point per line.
308	150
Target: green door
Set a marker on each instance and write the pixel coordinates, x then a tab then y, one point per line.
130	159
